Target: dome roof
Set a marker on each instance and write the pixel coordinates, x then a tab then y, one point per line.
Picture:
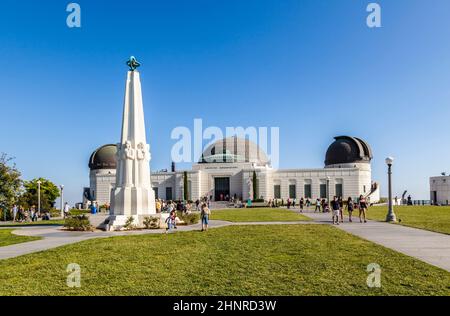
234	149
103	158
346	149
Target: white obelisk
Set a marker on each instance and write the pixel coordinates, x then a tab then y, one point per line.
133	194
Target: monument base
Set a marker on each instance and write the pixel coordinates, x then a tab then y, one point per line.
118	222
131	201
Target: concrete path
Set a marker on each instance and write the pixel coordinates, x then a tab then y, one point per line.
430	247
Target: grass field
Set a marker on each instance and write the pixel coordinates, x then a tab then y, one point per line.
434	218
7	238
257	215
235	260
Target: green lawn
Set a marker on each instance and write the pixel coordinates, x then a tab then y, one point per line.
234	260
257	215
7	238
434	218
38	223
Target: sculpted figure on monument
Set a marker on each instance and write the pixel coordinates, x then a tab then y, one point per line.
128	151
129	155
141	151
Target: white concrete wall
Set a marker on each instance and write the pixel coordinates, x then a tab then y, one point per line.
441	185
101	183
355	179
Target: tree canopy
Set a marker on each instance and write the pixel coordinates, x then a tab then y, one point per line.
49	193
10	182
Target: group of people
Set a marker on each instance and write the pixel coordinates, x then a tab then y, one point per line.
337	209
186	208
21	215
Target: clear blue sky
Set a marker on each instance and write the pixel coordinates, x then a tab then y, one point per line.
313	68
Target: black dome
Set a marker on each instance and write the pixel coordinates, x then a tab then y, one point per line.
103	158
347	149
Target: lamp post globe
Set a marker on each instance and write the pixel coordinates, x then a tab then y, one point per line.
390	217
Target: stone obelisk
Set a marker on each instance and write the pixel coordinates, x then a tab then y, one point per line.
133	194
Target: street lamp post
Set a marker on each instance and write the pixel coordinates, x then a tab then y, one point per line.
390	215
62	200
39	196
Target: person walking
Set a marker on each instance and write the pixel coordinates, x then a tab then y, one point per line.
350	206
308	203
362	208
206	212
317	209
302	203
341	208
66	210
335	211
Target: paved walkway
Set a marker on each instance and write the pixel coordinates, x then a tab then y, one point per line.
430	247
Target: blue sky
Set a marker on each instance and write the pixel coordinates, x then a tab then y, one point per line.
312	68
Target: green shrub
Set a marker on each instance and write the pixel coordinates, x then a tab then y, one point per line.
78	223
151	222
129	224
189	219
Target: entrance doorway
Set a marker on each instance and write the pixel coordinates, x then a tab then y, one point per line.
221	188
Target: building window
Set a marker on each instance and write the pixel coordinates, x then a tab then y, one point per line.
339	191
169	193
277	191
292	193
364	189
156	192
323	191
308	191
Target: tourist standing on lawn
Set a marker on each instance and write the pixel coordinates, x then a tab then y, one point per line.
350	207
341	209
362	208
335	210
308	203
302	203
206	212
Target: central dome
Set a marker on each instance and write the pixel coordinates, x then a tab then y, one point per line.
234	149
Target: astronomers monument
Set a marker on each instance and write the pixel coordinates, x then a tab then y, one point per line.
132	194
